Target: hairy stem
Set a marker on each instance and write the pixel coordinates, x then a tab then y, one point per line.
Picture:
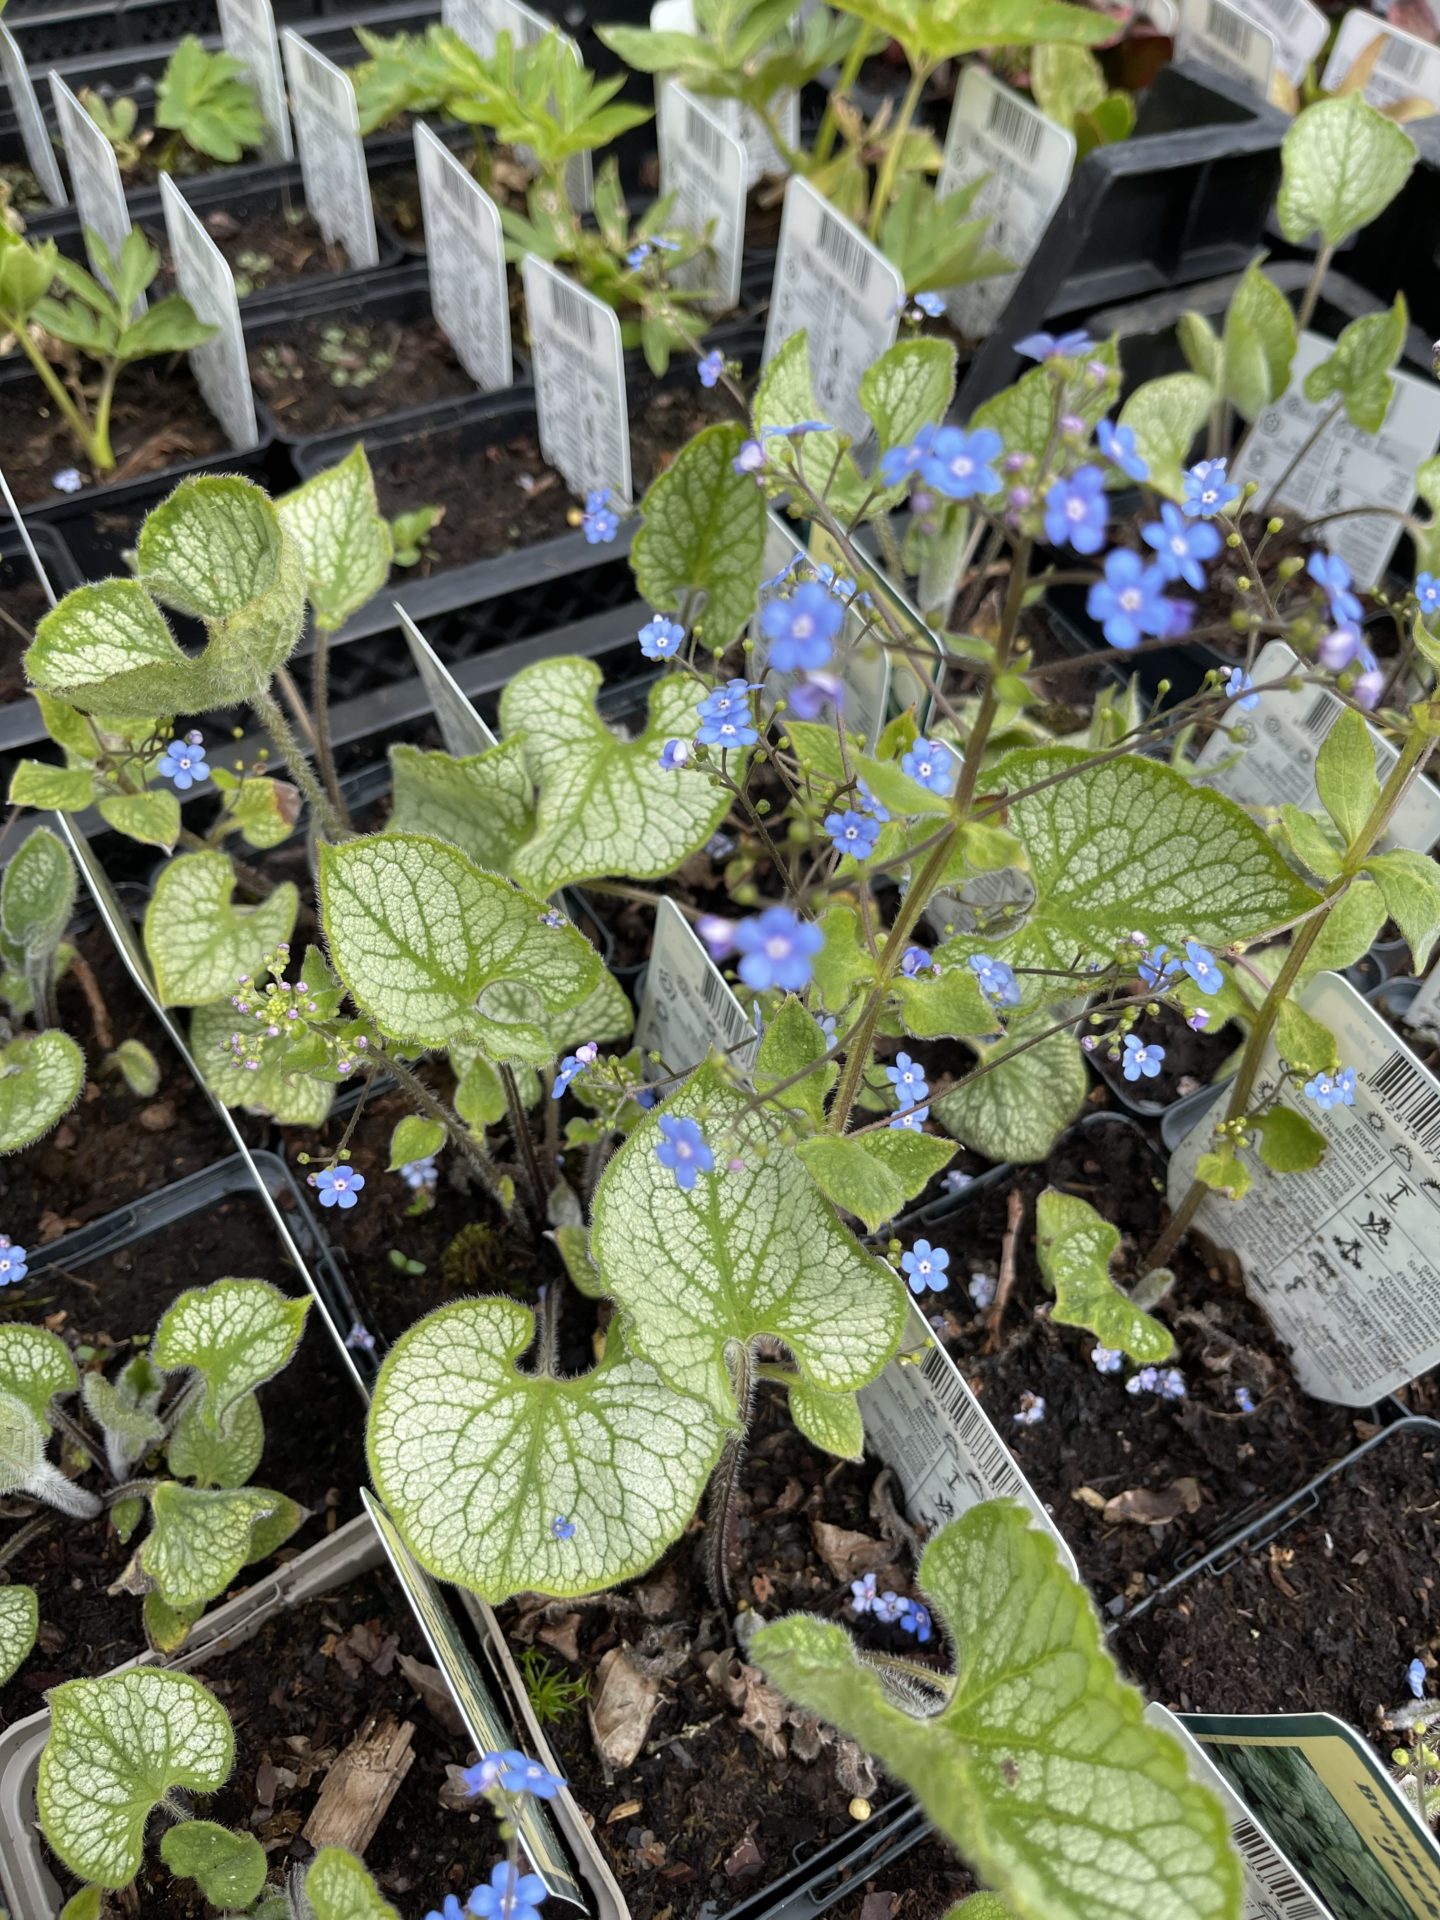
324	747
534	1180
722	1517
282	735
458	1134
25	1536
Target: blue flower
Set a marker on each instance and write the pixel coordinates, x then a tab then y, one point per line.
981	1289
718	933
1140	1060
420	1174
452	1909
572	1065
1237	685
1202	968
1368	688
338	1186
932	305
933	764
899	462
801	629
1118	446
725	717
1209	490
14	1262
812	693
682	1149
888	1606
484	1776
867	803
1050	346
661	639
1329	571
1244	1400
924	1267
1181	544
1332	1090
674	754
1032	1410
916	1620
1427	592
1106	1359
1338	648
561	1528
750	458
997	979
910	1120
600	522
1075	511
1156	967
907	1076
852	833
862	1594
958	463
183	761
1129	602
917	960
1168	1382
1415	1678
67	480
509	1896
710	368
777	948
638	254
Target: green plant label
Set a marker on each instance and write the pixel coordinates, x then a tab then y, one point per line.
688	1007
579	382
465	249
95	176
247	31
332	157
203	275
1221	36
703	164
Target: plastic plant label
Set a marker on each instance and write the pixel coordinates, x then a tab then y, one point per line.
1346	467
1345	1260
1281	737
762	156
478	22
1027	160
579	381
332	156
923	1421
688	1007
703	165
1220	36
838	286
1299	29
461	727
1326	1797
1272	1890
203	275
862	663
247	32
469	291
95	176
1407	68
1423	1012
34	134
1164	15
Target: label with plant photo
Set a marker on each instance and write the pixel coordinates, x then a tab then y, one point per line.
203	275
247	32
1405	67
35	135
840	290
1344	1258
1219	35
688	1008
579	381
703	165
1026	159
332	155
95	176
469	290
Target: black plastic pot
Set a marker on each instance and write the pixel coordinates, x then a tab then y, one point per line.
48	33
16	568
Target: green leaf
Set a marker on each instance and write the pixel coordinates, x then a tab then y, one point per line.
229	1868
198	942
1288	1142
414	1138
108	645
1200	345
167	1628
116	1748
37	894
745	1253
1067	82
1258	345
434	950
1349	932
1075	1245
832	1421
137	1067
235	1334
202	1537
344	539
944	29
35	1365
35	783
295	1099
484	804
702	530
1345	775
793	1041
220	1454
1342	164
1020	1107
844	962
1359	368
944	1005
339	1888
19	1625
474	1459
479	1094
1309	842
909	387
784	397
263	811
151	818
1308	1046
1410	884
1024	415
135	1429
207	96
212	548
1165	415
40	1079
606	806
846	1174
1039	1767
1224	1172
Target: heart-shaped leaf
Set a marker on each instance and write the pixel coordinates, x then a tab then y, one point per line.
1075	1245
484	803
702	531
35	1365
339	1888
343	537
19	1624
236	1334
198	942
37	893
1018	1108
228	1868
201	1539
40	1079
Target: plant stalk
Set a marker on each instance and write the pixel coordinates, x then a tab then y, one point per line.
534	1180
885	185
282	735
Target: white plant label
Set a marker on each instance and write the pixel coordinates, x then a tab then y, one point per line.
203	275
579	381
838	286
1299	28
1346	1259
1424	1010
95	176
861	662
922	1420
1027	160
1276	753
39	149
1407	69
1219	35
762	156
478	22
469	288
1346	467
688	1007
332	155
461	727
703	165
247	29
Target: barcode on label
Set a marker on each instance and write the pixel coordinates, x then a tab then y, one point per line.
704	136
1001	1476
1009	122
1411	1097
722	1008
1227	28
1398	56
849	254
569	308
1270	1870
1320	716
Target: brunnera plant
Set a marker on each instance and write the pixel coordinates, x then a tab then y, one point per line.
41	1068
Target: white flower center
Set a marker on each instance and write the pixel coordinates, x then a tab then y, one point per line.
1130	599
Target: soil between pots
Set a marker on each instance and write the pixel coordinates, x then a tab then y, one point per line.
159	418
921	1885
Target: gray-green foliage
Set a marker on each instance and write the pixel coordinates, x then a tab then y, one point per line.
41	1072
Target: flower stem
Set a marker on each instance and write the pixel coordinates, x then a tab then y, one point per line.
885	185
849	74
456	1131
534	1179
282	734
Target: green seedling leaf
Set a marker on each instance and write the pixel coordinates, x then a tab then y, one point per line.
339	1888
1224	1172
1021	1105
606	805
235	1334
37	894
137	1067
1258	345
229	1868
151	818
1039	1767
831	1421
19	1626
222	1455
208	97
414	1138
344	540
1359	368
1342	164
1075	1245
1410	885
198	942
201	1538
35	1365
41	1075
1288	1142
133	1430
483	804
476	1461
702	531
117	1747
434	950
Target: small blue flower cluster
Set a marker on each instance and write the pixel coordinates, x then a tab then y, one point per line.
925	1267
511	1772
14	1262
421	1176
1329	1090
891	1608
338	1186
1167	1382
681	1148
997	979
1032	1410
511	1895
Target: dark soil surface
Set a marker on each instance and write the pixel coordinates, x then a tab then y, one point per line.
921	1885
1220	596
1191	1059
22	600
105	1308
272	245
1326	1618
340	369
159	419
299	1693
1196	1465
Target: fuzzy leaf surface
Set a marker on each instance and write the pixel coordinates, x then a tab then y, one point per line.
1075	1245
40	1079
483	803
344	540
198	942
236	1334
35	1364
702	530
19	1625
